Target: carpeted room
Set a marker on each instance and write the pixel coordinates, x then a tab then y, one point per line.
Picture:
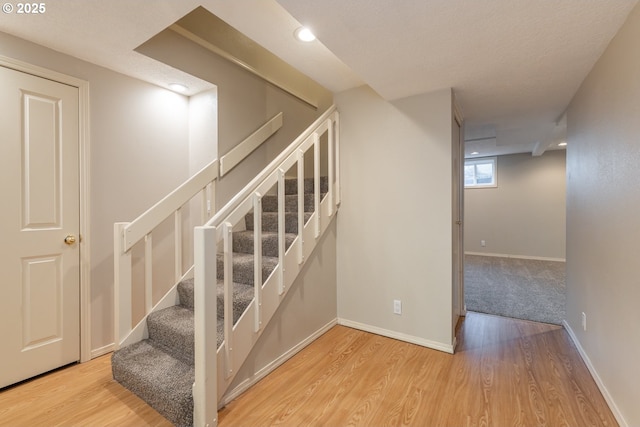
515	239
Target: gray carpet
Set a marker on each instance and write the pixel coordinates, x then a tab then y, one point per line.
160	370
519	288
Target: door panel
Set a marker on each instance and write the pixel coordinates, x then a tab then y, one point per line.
41	163
41	298
39	187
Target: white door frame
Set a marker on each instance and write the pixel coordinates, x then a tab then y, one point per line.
83	142
457	116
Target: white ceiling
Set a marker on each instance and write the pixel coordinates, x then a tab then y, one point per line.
514	64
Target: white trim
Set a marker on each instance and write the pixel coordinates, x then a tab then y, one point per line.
102	350
447	348
536	258
251	381
84	177
603	389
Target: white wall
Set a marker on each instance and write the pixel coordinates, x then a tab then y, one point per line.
139	152
525	214
603	211
394	225
203	129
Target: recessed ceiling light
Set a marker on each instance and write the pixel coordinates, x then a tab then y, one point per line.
562	144
178	87
474	153
304	34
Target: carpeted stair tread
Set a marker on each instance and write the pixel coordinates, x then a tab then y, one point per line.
270	221
243	267
158	378
173	327
243	242
242	296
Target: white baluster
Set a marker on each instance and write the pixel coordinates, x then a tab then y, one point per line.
257	259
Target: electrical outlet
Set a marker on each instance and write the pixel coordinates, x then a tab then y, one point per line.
584	321
483	243
397	306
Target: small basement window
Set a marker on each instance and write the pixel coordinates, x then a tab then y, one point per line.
480	173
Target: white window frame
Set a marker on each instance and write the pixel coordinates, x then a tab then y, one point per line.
484	160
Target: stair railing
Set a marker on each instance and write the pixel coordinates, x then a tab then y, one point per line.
215	367
128	234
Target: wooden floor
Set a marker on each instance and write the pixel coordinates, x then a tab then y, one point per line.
506	372
80	395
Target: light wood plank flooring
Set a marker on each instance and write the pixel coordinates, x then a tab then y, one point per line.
506	372
80	395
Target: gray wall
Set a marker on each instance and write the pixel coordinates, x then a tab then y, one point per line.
310	305
524	215
394	224
603	212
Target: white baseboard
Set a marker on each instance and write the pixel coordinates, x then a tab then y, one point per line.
447	348
603	389
249	382
102	350
537	258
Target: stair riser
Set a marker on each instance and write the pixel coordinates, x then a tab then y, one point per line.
174	333
185	292
163	382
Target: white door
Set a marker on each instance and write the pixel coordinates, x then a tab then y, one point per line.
39	224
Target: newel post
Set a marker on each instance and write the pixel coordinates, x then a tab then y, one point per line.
121	285
205	400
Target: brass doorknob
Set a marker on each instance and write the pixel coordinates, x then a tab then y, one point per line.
70	239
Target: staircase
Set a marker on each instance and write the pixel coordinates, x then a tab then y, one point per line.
160	369
184	354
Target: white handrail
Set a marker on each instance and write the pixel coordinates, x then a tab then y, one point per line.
249	188
126	235
145	223
246	147
240	335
